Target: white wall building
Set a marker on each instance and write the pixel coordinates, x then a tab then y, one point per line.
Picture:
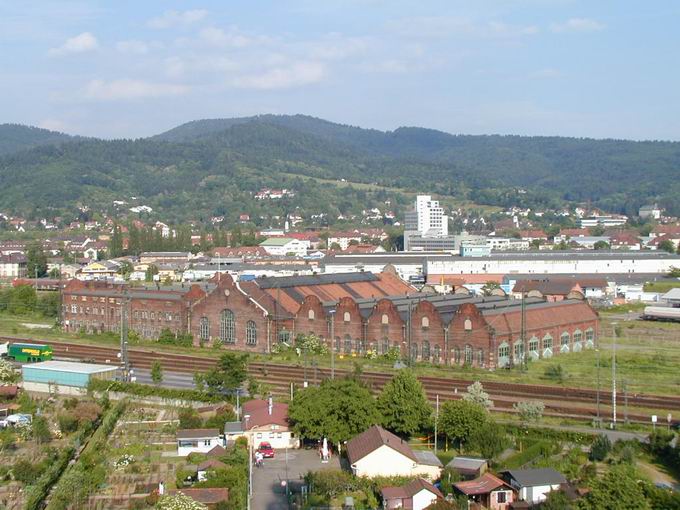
282	246
533	485
197	441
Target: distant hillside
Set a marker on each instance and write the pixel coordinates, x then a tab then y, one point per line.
212	167
15	137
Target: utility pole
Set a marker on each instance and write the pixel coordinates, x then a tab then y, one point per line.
436	419
599	418
614	377
332	313
125	360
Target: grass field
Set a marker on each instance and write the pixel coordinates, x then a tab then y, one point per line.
662	286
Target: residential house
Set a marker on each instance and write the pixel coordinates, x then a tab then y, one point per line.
263	421
650	211
533	485
208	465
285	246
197	441
378	452
13	266
468	467
550	289
98	270
624	241
487	491
418	494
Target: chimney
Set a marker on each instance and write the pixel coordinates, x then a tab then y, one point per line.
271	406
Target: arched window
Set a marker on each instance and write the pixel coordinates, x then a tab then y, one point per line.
480	357
385	345
311	315
519	351
578	337
468	354
564	342
337	344
456	355
504	350
547	346
590	338
414	351
251	333
227	327
533	344
384	319
426	350
467	325
346	317
204	329
425	322
348	344
436	353
360	346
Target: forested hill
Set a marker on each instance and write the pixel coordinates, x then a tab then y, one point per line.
212	167
15	137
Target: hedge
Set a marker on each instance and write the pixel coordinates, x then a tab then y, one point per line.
38	491
146	390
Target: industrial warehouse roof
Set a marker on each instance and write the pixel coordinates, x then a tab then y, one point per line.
282	296
71	366
277	241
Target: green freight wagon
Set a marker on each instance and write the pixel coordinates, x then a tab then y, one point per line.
29	353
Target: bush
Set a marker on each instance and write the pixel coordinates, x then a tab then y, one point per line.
144	390
25	472
67	422
600	448
189	418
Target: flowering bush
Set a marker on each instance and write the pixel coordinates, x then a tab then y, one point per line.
311	344
7	373
124	461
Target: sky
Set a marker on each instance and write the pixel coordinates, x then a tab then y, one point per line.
602	69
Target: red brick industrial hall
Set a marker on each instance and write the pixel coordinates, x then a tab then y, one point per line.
361	312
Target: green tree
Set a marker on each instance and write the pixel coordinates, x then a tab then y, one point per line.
41	430
557	500
618	489
338	409
666	245
151	271
403	405
489	287
674	272
7	373
189	418
601	245
116	243
228	375
459	418
529	411
476	394
156	372
600	448
489	439
36	260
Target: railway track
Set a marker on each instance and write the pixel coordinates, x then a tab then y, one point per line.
559	401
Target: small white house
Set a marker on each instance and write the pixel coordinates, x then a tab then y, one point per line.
378	452
533	485
418	494
263	421
197	441
282	246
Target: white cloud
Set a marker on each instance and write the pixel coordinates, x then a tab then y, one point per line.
454	26
131	89
298	74
52	125
170	19
138	47
577	25
218	37
78	44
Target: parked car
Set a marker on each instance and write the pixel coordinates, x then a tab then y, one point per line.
266	450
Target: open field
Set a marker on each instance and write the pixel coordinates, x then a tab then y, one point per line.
663	286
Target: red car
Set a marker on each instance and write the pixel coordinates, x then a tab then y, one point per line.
266	450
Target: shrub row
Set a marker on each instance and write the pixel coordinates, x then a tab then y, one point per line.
145	390
38	491
538	449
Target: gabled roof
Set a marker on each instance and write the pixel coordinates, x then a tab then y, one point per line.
375	437
466	464
482	485
548	286
197	433
216	451
410	489
211	464
536	476
258	412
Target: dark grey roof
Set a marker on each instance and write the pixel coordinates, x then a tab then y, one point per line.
427	458
321	279
232	427
537	476
466	463
620	278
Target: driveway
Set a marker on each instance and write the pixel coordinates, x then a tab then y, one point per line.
267	491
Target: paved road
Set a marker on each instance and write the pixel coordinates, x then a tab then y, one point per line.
170	379
267	491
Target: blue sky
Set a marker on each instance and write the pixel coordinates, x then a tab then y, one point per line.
604	69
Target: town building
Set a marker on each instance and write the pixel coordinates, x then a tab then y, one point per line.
263	421
418	494
533	485
285	246
64	377
13	265
487	491
197	441
378	452
650	212
426	227
602	221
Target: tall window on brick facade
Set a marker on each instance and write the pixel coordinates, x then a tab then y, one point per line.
251	333
414	351
480	357
436	353
385	345
468	354
204	327
426	350
456	355
348	344
227	327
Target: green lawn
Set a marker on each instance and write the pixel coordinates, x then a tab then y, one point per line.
662	286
